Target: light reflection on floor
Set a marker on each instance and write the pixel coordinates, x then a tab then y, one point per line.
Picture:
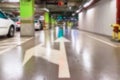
88	58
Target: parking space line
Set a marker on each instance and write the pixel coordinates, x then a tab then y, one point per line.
103	41
24	41
9	44
7	49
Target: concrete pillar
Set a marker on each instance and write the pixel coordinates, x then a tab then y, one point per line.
47	19
51	19
27	18
118	11
52	22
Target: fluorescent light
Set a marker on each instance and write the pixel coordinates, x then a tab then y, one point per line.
45	9
73	14
70	8
13	0
77	11
88	3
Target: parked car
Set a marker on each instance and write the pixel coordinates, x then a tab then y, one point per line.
14	18
7	26
17	24
11	16
37	25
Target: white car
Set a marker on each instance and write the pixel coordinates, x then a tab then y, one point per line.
18	25
37	25
7	26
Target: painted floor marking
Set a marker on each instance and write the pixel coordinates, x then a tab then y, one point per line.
55	56
12	43
103	41
100	40
7	49
63	68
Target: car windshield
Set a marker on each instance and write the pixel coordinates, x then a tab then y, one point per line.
15	19
2	15
11	16
35	21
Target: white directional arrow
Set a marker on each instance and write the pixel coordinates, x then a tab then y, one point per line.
52	55
29	53
63	63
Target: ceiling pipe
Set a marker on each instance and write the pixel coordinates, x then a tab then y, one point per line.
86	5
90	3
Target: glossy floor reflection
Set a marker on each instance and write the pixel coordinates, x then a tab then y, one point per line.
61	54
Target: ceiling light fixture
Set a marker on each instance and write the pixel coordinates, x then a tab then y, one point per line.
70	8
78	11
45	9
13	0
73	14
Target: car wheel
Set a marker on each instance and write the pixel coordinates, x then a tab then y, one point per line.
11	32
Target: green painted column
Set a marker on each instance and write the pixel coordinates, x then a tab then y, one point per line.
55	23
52	22
47	20
27	18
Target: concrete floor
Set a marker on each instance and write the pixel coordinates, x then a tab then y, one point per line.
75	56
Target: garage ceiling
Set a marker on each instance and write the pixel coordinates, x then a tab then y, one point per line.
52	5
69	6
66	9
